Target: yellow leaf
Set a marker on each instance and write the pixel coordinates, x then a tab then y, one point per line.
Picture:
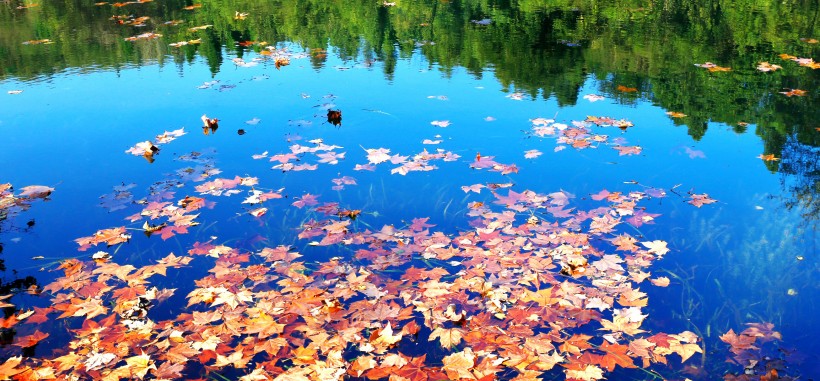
589	373
458	365
448	337
660	281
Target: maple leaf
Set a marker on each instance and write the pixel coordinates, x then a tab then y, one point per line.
377	155
641	348
139	365
306	200
625	242
657	247
472	188
170	231
30	340
362	364
532	154
622	324
235	359
660	281
167	136
576	344
97	360
384	338
168	370
145	148
110	237
738	342
616	354
9	368
633	298
330	157
628	150
258	374
586	372
415	369
89	308
458	364
303	355
544	297
448	337
699	200
284	158
685	350
765	331
597	303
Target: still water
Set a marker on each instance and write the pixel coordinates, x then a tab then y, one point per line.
575	190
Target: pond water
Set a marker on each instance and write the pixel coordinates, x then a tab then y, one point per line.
508	190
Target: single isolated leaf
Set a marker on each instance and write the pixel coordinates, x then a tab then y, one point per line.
699	200
794	93
766	67
36	191
768	157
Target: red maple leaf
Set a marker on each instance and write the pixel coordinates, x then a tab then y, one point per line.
615	355
30	340
415	369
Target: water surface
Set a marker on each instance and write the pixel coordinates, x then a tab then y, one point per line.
477	80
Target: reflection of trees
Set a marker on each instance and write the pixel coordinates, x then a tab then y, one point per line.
800	167
541	50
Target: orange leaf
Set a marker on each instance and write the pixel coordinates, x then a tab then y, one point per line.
660	281
458	365
9	368
615	355
30	340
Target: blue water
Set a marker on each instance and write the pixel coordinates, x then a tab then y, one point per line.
69	131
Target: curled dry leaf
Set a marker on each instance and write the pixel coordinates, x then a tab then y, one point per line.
36	191
660	281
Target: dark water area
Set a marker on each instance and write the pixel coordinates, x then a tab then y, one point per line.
475	189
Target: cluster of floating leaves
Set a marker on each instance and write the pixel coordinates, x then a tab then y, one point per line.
509	297
517	295
535	285
805	62
580	135
755	350
148	148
